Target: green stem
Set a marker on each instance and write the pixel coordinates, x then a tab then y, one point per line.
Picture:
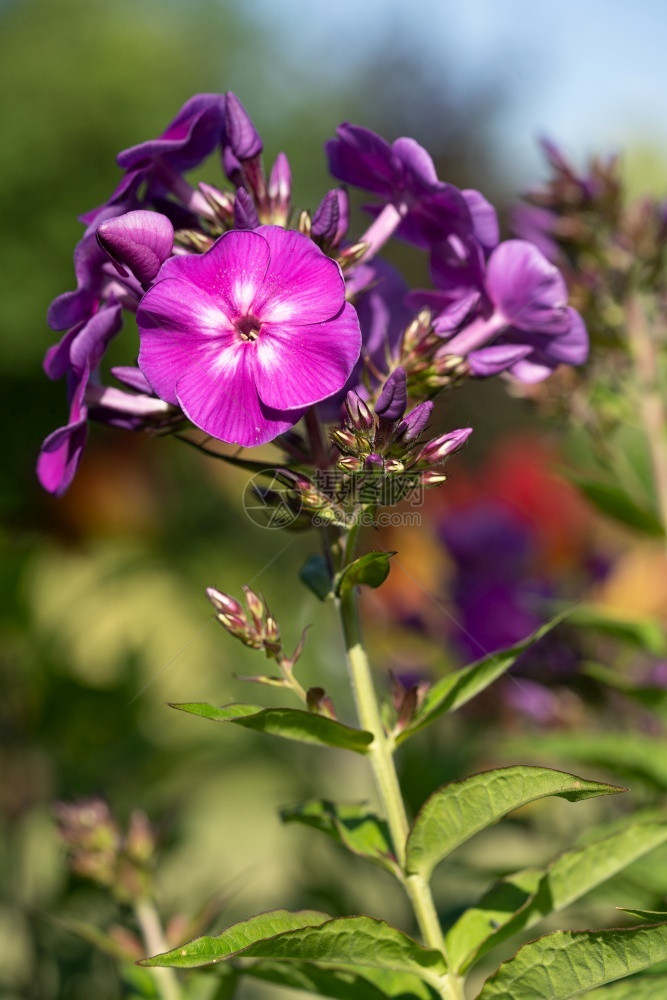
642	339
384	772
154	940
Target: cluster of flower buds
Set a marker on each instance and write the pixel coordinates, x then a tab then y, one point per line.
256	627
428	362
99	851
386	441
605	246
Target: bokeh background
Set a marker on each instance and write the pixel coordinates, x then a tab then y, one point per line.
102	613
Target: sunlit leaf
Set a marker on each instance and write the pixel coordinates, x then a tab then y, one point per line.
290	723
637	988
345	942
207	950
371	570
653	916
459	687
567	963
350	825
457	811
566	879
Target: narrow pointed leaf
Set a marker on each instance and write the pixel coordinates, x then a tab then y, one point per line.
350	825
457	811
316	576
290	723
340	984
343	942
371	570
653	916
637	988
459	687
651	696
489	916
566	879
567	963
208	950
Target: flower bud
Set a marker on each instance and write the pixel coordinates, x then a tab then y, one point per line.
223	603
394	396
360	417
352	255
441	447
374	463
140	241
221	202
349	464
245	213
415	422
432	478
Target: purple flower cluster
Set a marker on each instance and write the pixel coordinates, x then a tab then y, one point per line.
244	323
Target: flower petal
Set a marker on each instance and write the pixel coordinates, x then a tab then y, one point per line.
302	285
298	366
179	330
230	273
526	289
224	402
140	240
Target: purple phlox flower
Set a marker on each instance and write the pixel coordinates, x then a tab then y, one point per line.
96	278
192	136
521	323
393	399
140	241
331	218
242	154
249	334
418	207
79	354
378	292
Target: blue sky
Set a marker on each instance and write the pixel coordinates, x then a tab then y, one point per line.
590	73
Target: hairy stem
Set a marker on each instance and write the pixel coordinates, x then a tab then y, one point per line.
154	940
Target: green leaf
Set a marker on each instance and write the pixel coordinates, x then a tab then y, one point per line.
632	755
316	576
207	950
459	687
457	811
653	916
346	941
566	879
341	984
371	570
613	501
637	988
290	723
566	963
647	633
484	921
350	825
